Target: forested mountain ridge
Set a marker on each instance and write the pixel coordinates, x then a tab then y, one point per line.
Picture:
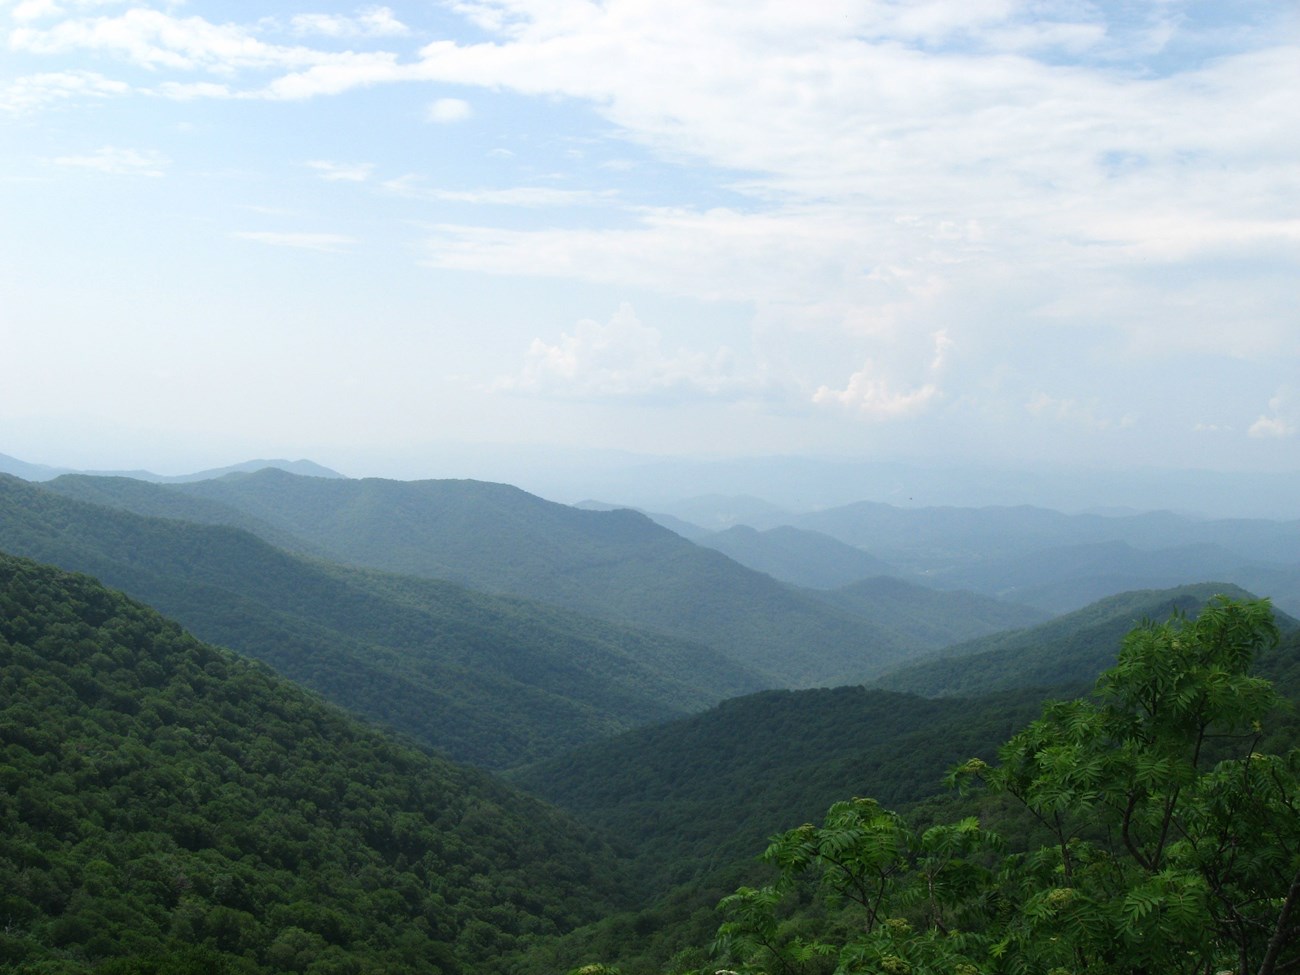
697	793
617	565
780	749
1070	649
172	807
1154	834
491	680
153	500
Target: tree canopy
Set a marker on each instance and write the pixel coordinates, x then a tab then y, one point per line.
1163	841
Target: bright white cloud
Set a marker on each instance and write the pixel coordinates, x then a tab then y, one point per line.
114	161
29	10
32	92
368	22
1282	419
158	41
448	110
624	359
327	243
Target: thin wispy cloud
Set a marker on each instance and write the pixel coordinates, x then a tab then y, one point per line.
367	22
625	359
32	92
342	172
115	161
326	243
413	187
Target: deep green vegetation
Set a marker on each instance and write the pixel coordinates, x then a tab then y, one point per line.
491	680
688	799
690	802
1172	844
1070	649
770	760
170	808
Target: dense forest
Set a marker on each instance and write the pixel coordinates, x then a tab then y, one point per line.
985	804
164	797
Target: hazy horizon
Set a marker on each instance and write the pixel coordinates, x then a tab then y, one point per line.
796	484
1018	236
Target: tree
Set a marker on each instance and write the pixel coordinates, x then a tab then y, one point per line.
1174	846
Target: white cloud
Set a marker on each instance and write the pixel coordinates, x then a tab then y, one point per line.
447	110
327	243
1283	418
158	41
113	161
872	394
29	10
368	22
853	172
344	172
36	91
624	359
514	196
335	75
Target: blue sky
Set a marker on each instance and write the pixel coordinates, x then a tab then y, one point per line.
1019	232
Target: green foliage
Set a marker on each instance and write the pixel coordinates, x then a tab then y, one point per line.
169	808
1071	649
768	759
1174	844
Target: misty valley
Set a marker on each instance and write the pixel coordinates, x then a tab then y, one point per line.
272	719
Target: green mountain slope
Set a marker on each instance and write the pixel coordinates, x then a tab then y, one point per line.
153	500
702	793
490	680
931	618
614	564
680	794
172	807
797	556
1071	649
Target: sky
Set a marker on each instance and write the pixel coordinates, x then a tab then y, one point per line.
1005	231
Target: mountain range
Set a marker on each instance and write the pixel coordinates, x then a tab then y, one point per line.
666	696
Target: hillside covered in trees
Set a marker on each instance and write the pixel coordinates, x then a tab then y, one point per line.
491	680
169	806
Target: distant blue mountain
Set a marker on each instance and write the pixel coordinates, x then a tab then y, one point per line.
44	472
